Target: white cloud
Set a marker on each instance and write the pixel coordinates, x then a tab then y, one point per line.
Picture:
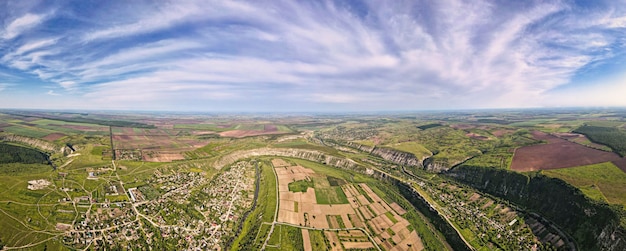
409	54
68	85
21	24
4	86
52	93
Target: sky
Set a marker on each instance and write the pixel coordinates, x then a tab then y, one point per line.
284	56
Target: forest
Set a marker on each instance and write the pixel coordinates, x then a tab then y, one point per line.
609	136
18	154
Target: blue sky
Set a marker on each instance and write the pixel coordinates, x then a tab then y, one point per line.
311	55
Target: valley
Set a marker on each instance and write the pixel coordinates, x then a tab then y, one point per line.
473	180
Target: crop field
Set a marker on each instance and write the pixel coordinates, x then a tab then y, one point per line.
188	181
558	153
158	145
603	182
254	130
323	206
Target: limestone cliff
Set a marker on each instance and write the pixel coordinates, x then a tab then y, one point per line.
36	143
288	152
593	225
388	154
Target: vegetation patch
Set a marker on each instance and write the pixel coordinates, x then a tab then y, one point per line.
300	185
428	126
333	181
609	136
330	195
391	218
415	148
286	238
600	181
18	154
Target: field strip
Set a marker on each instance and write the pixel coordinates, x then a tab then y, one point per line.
332	229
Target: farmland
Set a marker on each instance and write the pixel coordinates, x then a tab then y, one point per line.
603	182
424	181
558	153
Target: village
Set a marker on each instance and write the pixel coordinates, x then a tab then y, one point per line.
187	210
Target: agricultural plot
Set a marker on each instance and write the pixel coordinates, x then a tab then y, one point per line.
156	145
353	207
254	130
558	153
603	182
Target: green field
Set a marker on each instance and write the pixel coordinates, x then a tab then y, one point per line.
286	238
28	131
303	144
300	186
604	181
318	240
330	195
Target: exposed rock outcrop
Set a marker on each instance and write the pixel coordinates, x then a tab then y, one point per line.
435	166
36	143
594	225
388	154
288	152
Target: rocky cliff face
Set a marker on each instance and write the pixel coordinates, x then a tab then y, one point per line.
36	143
435	166
388	154
593	225
287	152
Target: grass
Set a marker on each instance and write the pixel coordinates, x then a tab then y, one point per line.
318	240
604	181
391	218
28	131
286	238
300	185
330	195
415	148
303	144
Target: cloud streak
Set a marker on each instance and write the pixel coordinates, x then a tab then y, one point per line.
383	55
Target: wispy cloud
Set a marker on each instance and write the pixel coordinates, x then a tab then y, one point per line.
19	25
52	93
3	86
376	54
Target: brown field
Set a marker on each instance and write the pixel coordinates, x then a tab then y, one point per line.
270	128
559	153
279	163
463	126
306	240
332	221
248	133
358	245
156	145
581	139
357	213
163	157
53	136
397	208
500	133
476	136
335	244
85	128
